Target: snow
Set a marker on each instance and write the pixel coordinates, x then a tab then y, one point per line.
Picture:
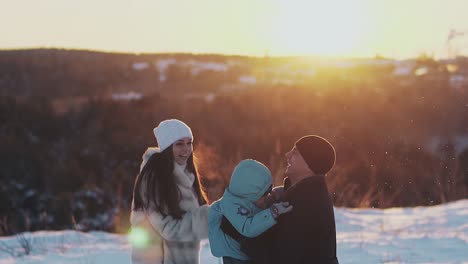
403	68
208	97
128	96
248	79
458	80
198	66
139	66
421	71
435	144
162	66
437	234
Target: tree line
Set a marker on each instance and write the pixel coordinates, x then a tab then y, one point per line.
396	144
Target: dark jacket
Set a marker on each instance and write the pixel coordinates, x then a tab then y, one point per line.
305	235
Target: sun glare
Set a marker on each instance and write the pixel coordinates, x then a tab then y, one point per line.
331	28
138	237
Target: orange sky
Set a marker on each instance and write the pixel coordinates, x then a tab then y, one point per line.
351	28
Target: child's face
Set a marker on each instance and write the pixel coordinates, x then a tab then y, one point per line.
265	201
262	202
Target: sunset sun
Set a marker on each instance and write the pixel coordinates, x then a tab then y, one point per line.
317	27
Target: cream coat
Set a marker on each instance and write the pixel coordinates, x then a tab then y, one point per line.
172	241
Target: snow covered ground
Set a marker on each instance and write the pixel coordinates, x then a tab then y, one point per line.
437	234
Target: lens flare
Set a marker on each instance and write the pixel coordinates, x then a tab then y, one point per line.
138	237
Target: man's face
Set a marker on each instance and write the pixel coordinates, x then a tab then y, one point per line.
296	164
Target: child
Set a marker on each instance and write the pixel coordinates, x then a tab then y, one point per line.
247	206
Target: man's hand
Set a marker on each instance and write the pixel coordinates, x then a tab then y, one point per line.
277	193
280	208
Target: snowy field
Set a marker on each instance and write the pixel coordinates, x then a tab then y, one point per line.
437	234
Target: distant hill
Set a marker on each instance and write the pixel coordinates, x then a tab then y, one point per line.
64	73
60	73
74	124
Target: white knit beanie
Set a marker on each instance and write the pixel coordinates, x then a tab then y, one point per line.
169	131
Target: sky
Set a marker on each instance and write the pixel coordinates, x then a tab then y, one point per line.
437	234
349	28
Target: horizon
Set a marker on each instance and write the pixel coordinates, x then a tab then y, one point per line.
332	29
311	57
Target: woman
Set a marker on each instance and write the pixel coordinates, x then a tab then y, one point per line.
167	209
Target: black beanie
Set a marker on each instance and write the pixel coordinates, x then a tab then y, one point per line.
317	152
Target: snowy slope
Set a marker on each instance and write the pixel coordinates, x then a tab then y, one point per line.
437	234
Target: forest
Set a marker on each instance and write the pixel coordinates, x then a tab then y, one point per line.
70	151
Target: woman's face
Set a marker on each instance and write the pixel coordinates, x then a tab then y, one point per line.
181	150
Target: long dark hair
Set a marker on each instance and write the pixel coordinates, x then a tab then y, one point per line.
161	190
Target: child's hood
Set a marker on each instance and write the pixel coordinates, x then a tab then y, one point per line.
250	180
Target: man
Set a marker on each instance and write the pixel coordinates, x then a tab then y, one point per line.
307	234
